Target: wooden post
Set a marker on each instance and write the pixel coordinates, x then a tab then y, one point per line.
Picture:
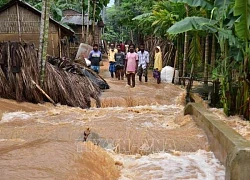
18	22
42	91
68	46
93	23
87	35
60	44
53	46
175	59
83	15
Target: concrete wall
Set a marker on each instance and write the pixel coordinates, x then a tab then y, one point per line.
229	147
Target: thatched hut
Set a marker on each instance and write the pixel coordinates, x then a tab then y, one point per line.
65	82
75	20
21	22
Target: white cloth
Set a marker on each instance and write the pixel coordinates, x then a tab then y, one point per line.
167	74
143	59
88	62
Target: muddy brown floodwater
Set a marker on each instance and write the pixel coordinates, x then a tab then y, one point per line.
147	135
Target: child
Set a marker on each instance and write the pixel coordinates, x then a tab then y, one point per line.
157	64
119	60
131	65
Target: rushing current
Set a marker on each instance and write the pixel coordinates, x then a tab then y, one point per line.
143	131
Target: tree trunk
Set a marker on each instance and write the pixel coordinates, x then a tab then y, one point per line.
93	23
44	39
202	51
246	99
19	23
132	36
40	51
185	53
175	60
87	34
206	60
213	54
180	61
83	27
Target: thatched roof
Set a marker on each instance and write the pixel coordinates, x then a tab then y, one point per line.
35	11
76	19
19	70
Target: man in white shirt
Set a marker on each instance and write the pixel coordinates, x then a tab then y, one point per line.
143	56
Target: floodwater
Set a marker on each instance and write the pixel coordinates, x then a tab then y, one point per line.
235	122
144	129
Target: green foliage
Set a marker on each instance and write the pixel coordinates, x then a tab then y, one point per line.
191	23
119	19
166	14
242	9
195	3
195	50
3	2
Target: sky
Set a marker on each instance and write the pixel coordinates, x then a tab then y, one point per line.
111	2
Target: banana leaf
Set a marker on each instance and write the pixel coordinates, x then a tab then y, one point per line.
192	23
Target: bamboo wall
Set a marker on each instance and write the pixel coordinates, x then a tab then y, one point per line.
27	29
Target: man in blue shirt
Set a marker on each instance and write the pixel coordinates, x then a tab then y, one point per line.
95	56
143	56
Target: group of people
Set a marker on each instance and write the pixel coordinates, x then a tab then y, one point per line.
129	63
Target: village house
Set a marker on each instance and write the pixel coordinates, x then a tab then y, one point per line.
74	19
21	22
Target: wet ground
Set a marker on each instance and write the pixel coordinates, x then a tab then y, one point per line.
147	135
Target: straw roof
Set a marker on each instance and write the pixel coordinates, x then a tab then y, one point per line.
19	70
76	19
35	11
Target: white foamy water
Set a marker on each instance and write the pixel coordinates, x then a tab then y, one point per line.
60	115
14	140
15	115
200	165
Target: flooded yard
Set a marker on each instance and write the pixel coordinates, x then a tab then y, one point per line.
144	129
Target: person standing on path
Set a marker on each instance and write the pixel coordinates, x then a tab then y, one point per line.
122	46
119	63
157	64
95	56
111	58
131	65
143	56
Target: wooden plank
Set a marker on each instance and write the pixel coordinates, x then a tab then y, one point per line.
44	93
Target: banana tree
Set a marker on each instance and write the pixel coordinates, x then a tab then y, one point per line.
198	3
193	24
242	10
224	33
